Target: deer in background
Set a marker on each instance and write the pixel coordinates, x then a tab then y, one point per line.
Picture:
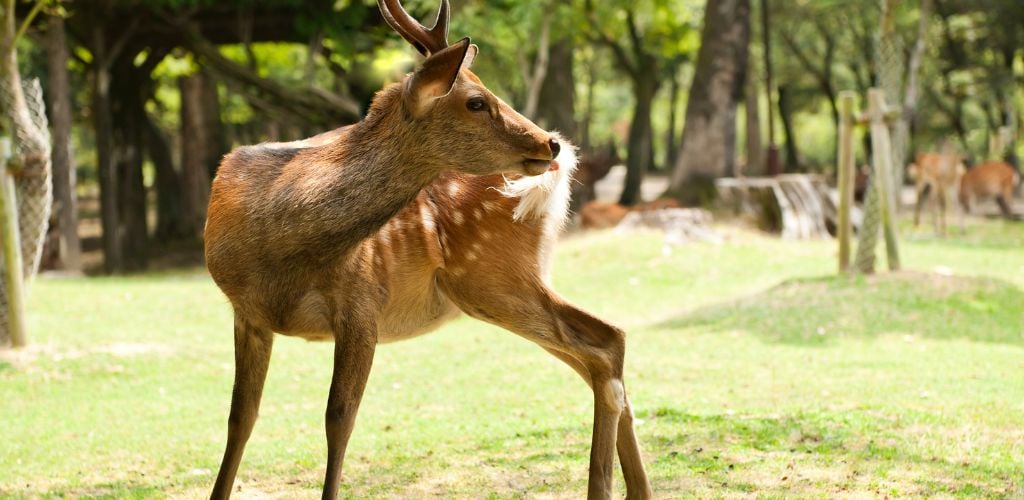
939	173
443	200
992	179
593	166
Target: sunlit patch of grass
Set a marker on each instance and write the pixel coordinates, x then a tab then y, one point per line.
821	310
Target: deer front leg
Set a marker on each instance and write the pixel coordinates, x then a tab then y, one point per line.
922	197
626	443
252	356
354	345
942	196
591	347
600	348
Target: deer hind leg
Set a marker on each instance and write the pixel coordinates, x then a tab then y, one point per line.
252	357
591	347
354	346
922	198
1005	199
941	198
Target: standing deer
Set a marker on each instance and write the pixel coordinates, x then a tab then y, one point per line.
939	173
992	179
443	200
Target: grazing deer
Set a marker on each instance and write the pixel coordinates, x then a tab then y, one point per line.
992	179
939	173
443	200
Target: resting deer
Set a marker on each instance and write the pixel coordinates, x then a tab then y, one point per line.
993	179
443	200
939	173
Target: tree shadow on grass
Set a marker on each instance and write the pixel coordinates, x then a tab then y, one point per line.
818	311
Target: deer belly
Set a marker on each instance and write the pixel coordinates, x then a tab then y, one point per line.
410	315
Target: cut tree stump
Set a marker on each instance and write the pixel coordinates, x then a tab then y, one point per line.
797	206
681	225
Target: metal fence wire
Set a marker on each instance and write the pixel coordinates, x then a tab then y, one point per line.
891	64
33	184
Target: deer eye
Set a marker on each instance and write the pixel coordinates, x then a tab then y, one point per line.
476	104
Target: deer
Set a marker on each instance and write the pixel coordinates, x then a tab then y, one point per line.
938	172
442	201
992	179
593	166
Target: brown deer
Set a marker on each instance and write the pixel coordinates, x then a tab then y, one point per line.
603	215
937	173
593	166
992	179
443	200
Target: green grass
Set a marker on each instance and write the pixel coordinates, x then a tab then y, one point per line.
751	370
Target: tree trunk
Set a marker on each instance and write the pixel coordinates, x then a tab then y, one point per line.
195	150
557	108
106	170
216	143
902	133
535	73
786	115
59	103
645	87
588	107
709	135
170	206
671	146
129	110
752	112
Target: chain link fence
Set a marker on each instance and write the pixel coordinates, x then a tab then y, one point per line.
891	64
33	184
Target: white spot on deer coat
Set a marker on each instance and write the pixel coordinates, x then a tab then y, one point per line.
428	219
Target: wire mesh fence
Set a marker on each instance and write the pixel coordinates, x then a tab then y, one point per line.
891	63
33	186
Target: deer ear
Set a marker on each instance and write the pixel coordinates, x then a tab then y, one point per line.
437	76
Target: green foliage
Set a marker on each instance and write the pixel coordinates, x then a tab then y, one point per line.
962	72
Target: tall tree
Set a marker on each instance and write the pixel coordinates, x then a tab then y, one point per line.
557	109
200	144
663	36
59	106
709	134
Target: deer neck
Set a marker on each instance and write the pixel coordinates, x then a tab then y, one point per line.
379	174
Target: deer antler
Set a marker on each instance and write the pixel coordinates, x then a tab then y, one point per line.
427	41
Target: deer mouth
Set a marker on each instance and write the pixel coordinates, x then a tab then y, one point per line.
536	166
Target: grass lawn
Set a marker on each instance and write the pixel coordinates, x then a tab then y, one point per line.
752	369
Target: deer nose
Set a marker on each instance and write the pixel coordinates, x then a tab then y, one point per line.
555	147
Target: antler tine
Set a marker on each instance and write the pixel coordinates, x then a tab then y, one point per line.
400	27
440	30
426	41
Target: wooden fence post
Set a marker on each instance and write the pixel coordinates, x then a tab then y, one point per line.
846	176
881	147
11	240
